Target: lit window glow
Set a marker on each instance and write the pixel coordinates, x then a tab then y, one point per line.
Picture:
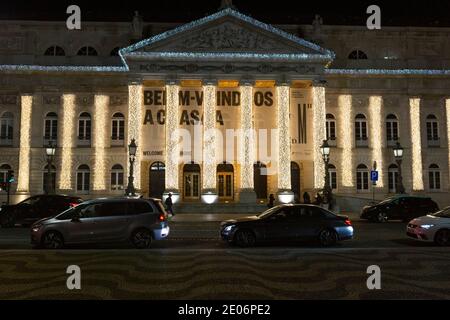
247	139
23	179
319	119
172	137
416	143
375	109
135	126
100	112
284	143
346	134
67	141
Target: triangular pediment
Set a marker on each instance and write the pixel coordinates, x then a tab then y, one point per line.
227	31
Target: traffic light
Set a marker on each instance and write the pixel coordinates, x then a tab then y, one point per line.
10	178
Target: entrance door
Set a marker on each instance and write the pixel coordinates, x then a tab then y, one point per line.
191	185
295	179
260	180
157	180
225	185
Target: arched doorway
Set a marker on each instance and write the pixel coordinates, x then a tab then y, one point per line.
225	181
295	179
260	180
157	180
191	181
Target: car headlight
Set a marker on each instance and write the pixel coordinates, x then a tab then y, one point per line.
427	226
36	227
229	228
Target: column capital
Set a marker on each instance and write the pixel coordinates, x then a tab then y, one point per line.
134	81
210	82
172	81
247	81
319	82
283	83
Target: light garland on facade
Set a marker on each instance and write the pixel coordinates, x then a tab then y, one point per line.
135	95
375	109
416	144
100	113
209	137
389	72
172	136
284	143
319	120
447	108
67	141
23	179
247	146
346	134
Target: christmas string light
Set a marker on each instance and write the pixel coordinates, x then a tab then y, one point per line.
416	143
23	179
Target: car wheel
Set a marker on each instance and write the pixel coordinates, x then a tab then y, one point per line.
52	240
442	237
9	221
382	217
244	238
328	237
141	239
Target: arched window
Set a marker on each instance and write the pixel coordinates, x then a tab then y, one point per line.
84	128
332	176
432	128
225	181
361	130
6	128
83	179
117	177
392	178
362	178
54	51
115	52
391	129
4	168
331	127
434	177
357	55
49	181
87	51
51	126
118	128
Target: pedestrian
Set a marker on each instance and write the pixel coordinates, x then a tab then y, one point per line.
169	205
271	201
319	199
306	198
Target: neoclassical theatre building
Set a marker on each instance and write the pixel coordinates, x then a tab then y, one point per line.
224	109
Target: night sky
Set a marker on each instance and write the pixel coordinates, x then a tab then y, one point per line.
414	13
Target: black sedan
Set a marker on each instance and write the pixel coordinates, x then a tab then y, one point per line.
286	223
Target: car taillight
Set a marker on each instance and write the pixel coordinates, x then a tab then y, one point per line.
73	204
162	217
348	222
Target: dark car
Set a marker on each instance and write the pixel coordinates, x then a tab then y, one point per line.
403	207
286	223
35	208
104	221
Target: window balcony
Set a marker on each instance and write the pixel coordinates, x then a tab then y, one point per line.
362	142
332	142
434	142
392	142
6	142
46	140
117	141
84	142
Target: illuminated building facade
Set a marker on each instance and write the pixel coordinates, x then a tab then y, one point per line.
224	109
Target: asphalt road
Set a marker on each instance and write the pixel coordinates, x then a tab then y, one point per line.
195	264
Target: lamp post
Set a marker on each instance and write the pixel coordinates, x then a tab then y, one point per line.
50	151
398	154
327	192
132	148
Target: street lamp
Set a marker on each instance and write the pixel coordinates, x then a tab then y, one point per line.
132	148
50	151
325	150
398	154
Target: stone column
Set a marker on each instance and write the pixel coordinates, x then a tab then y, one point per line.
416	144
376	119
209	190
135	100
100	135
23	176
172	154
346	140
247	144
447	108
66	136
319	120
285	194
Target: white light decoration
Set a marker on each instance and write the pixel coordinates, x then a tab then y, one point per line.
389	72
247	147
172	137
346	134
100	112
284	142
416	143
209	197
286	197
209	137
447	108
67	141
135	95
23	179
375	110
319	120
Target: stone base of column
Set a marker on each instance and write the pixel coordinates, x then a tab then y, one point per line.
175	196
285	196
247	196
209	196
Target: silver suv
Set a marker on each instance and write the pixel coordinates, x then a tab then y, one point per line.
104	221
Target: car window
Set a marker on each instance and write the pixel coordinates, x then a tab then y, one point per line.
445	213
139	207
159	206
31	201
